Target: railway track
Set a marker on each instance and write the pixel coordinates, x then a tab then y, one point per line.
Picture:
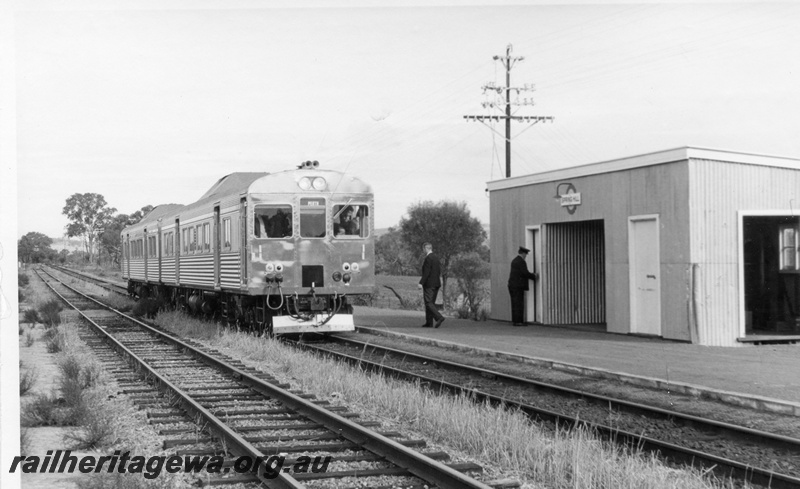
210	404
742	453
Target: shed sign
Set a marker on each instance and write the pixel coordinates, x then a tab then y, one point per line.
571	199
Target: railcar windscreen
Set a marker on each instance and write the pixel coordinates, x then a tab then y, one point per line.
312	218
351	221
272	221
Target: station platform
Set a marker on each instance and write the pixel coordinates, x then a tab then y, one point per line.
764	377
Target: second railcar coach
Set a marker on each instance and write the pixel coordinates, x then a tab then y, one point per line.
283	252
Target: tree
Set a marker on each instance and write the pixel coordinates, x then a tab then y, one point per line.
448	226
391	255
34	248
89	214
110	240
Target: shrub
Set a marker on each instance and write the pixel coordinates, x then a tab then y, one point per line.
69	367
471	272
30	316
42	410
96	430
27	379
29	339
56	344
49	334
20	296
50	313
22	280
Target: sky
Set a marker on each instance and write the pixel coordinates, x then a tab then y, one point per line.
150	103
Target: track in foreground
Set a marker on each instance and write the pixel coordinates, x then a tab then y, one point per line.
253	416
731	451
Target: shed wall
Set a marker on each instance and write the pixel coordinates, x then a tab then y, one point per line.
717	192
613	197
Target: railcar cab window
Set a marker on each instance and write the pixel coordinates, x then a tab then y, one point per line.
272	221
351	221
312	218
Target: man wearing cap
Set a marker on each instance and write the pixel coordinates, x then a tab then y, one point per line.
518	284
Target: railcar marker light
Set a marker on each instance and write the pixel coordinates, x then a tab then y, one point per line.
354	267
320	183
346	279
337	276
346	267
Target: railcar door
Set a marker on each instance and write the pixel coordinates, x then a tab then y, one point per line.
215	247
244	243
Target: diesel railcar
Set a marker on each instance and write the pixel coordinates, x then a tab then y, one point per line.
283	252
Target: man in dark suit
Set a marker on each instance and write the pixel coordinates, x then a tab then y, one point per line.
430	283
518	284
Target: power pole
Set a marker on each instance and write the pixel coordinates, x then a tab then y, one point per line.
508	61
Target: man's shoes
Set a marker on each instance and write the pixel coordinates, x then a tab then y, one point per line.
438	323
426	326
519	324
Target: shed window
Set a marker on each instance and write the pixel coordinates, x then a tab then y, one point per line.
789	242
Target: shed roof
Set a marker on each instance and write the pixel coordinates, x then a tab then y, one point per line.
649	159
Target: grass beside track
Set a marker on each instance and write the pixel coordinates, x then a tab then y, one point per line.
502	441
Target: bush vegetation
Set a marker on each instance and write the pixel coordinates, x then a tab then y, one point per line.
30	316
50	312
27	379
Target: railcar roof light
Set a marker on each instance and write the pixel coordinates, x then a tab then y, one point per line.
320	183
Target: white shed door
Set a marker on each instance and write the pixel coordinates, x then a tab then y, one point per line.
645	280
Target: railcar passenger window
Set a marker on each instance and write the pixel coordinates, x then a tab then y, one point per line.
351	221
226	233
312	218
207	237
272	221
151	246
185	240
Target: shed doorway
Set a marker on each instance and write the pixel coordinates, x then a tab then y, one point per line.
771	275
573	276
644	261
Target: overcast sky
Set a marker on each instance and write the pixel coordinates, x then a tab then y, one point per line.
152	106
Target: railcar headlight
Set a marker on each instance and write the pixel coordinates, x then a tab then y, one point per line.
270	267
346	278
337	276
320	183
304	183
354	267
346	267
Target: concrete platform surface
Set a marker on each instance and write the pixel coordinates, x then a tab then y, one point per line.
763	377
